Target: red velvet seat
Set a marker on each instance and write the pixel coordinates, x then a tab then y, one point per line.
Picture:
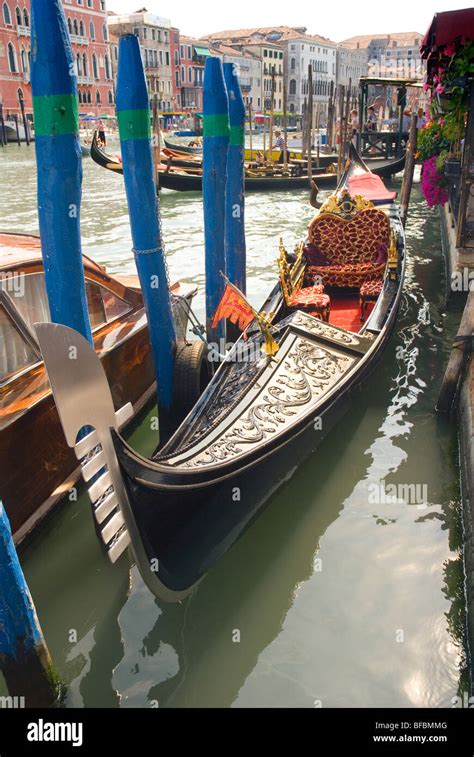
369	292
313	301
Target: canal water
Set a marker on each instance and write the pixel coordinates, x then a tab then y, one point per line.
330	599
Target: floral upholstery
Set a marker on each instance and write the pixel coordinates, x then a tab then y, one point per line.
345	252
313	300
369	292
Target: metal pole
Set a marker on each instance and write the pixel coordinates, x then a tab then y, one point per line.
133	114
309	126
235	253
285	129
215	143
24	657
59	162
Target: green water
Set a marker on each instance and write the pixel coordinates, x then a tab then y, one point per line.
337	601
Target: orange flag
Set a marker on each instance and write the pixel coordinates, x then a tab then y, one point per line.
235	307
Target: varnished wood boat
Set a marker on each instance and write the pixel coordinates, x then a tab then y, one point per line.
259	416
191	180
30	430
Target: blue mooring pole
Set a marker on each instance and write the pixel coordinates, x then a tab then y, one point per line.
59	162
215	144
235	257
24	658
133	113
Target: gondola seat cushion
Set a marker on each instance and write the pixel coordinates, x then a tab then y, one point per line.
369	292
345	252
312	300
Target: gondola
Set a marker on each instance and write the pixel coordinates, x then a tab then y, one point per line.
191	180
260	416
181	147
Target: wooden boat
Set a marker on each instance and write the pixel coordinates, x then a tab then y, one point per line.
191	180
172	144
260	416
29	425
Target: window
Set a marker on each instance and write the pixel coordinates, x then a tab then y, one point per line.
292	87
79	97
85	65
6	14
107	67
175	38
79	64
105	33
293	64
74	26
176	58
24	61
167	58
190	74
182	50
18	16
12	59
89	4
115	52
69	25
111	97
16	353
153	33
183	78
270	53
177	78
166	36
102	5
81	29
97	97
265	53
280	55
79	2
189	52
92	31
26	18
136	32
145	32
95	69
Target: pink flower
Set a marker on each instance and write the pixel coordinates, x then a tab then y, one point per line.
432	184
450	50
441	121
439	89
426	87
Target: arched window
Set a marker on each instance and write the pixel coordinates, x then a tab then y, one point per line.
97	97
190	74
182	74
24	61
69	25
292	86
12	59
85	65
74	26
95	69
81	29
79	95
111	97
6	14
79	64
105	33
107	67
176	58
26	18
92	31
19	19
292	108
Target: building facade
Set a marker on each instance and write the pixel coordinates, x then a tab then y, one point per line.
319	53
248	68
396	55
351	64
154	33
87	25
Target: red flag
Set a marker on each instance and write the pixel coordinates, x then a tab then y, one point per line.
235	307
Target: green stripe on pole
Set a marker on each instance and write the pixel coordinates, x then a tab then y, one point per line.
55	115
237	136
216	125
134	124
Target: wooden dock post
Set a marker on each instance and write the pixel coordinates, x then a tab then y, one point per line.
25	124
3	134
285	128
250	132
460	352
235	252
59	161
215	143
156	137
24	657
133	115
309	125
15	118
407	181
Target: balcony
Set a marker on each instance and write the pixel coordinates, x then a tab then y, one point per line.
85	79
76	39
23	31
245	82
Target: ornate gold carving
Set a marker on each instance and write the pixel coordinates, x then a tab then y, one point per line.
345	205
291	276
307	372
393	257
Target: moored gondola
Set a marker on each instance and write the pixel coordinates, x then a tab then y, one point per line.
263	411
190	179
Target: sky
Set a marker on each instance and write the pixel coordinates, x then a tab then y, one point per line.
337	20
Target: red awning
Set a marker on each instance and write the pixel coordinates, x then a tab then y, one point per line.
447	27
370	186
